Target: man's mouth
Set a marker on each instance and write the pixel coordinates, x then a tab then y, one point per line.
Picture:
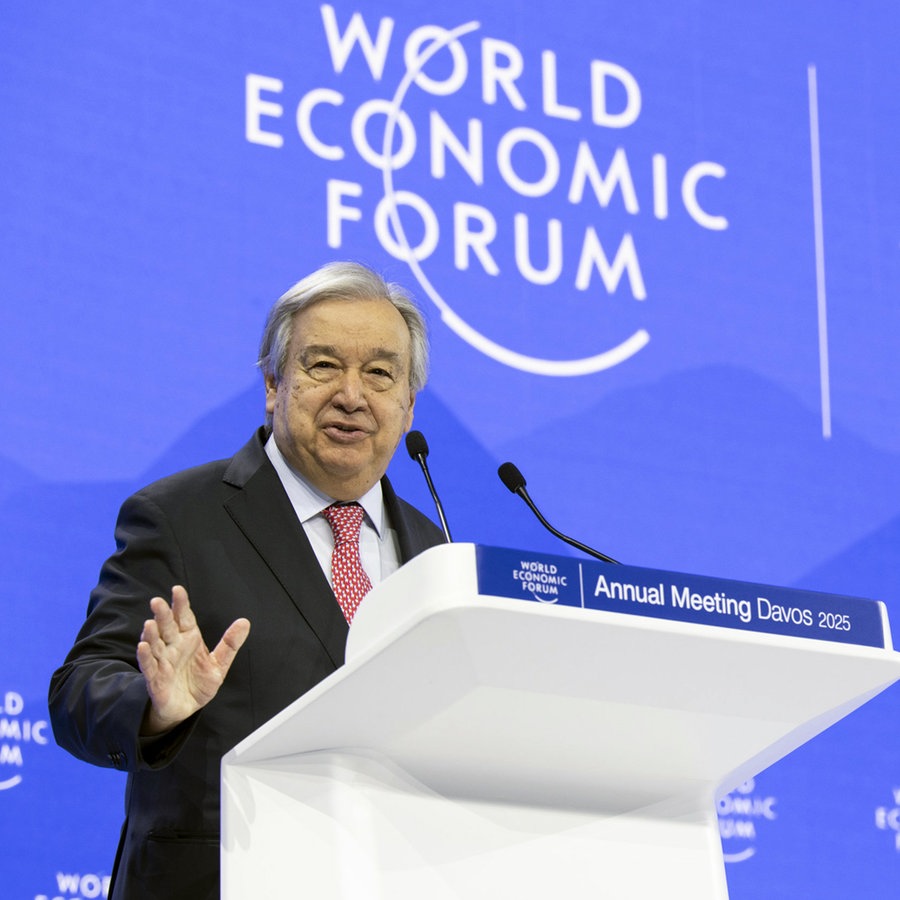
344	430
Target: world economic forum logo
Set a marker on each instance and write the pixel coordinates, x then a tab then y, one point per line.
77	886
740	814
17	731
502	175
887	817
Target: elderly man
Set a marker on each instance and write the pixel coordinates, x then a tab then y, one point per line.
254	555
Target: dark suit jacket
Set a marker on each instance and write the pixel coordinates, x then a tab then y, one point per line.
228	533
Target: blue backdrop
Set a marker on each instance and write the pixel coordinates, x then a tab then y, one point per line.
658	246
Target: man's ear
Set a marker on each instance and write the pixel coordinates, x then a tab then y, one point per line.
271	393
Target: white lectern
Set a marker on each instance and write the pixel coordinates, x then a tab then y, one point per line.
517	725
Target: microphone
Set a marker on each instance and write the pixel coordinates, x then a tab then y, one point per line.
515	481
417	447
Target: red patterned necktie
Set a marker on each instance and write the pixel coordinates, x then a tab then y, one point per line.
348	577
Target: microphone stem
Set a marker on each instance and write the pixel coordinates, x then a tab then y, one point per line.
434	496
563	537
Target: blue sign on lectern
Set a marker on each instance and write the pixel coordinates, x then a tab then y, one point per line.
700	599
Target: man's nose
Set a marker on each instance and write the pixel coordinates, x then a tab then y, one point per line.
350	393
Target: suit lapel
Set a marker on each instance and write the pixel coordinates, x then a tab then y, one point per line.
261	509
263	512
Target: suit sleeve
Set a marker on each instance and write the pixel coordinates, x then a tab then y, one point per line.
98	697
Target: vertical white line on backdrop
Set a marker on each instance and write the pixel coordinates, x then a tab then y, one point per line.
824	382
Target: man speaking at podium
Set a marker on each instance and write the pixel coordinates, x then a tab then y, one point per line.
264	558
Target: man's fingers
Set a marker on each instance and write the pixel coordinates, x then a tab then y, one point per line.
165	621
171	653
150	632
175	619
231	642
147	661
181	609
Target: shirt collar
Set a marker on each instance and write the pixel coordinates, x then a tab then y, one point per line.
308	501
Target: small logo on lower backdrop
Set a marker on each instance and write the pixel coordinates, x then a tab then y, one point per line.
887	818
17	732
741	813
71	886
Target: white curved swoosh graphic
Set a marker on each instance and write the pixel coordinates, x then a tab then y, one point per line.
537	366
739	857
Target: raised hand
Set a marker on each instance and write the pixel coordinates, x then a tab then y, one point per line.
182	675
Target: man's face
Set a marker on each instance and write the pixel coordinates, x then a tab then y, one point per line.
343	401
